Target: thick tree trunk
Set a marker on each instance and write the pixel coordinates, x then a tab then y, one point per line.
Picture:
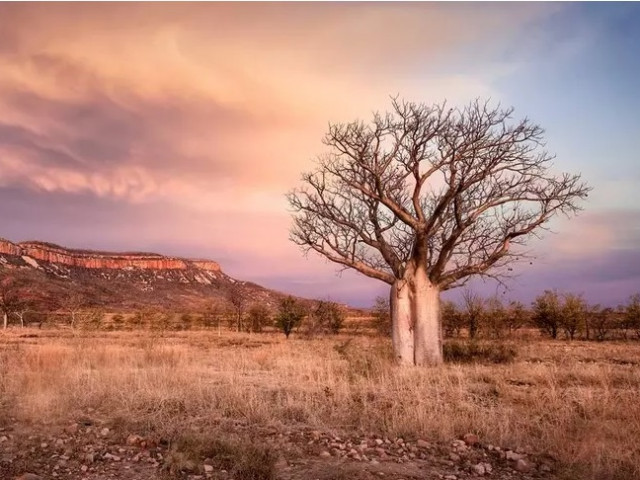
428	329
415	316
402	323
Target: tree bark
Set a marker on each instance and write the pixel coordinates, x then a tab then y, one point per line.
428	328
402	322
415	317
5	320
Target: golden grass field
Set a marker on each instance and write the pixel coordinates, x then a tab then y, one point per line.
578	401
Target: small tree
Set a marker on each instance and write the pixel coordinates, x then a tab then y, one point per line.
601	321
11	299
382	316
495	318
73	304
473	312
212	316
632	313
328	316
91	319
258	317
425	197
452	319
238	299
290	315
572	315
547	313
517	317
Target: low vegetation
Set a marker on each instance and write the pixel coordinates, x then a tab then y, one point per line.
575	401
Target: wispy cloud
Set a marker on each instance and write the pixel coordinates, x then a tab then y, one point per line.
201	116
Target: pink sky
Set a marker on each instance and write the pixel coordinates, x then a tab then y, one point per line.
179	127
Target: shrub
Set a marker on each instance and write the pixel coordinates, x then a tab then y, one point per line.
290	315
258	317
118	321
244	459
186	321
475	352
495	317
573	315
327	317
452	321
632	314
473	312
517	316
547	313
382	316
601	322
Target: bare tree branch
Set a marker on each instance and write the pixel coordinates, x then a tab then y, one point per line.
457	191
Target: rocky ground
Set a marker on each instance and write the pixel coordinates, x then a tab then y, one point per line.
87	450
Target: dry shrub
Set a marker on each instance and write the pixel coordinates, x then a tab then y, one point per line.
479	352
242	457
577	402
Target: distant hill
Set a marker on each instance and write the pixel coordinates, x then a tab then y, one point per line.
124	281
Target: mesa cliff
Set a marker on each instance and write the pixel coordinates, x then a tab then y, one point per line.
50	253
123	280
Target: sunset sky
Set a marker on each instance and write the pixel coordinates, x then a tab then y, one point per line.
178	128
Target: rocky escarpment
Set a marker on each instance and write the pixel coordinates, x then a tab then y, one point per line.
54	254
127	280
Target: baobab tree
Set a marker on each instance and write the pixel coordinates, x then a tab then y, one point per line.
425	198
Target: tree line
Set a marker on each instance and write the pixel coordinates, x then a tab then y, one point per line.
237	310
556	315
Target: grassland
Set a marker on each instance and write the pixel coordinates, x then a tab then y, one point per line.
575	401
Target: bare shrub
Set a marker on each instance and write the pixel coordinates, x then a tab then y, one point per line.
473	312
517	317
452	319
477	352
243	458
601	321
495	317
326	317
238	300
259	316
382	316
632	314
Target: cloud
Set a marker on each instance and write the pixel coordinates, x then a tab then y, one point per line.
178	127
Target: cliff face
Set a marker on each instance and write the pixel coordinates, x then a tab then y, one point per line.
124	281
54	254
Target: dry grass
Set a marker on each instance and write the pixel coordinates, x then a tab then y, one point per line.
575	401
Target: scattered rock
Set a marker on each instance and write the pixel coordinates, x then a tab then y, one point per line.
29	476
470	439
71	429
522	465
478	469
324	454
511	455
422	444
209	468
134	440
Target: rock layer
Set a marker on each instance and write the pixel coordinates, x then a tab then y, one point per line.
54	254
